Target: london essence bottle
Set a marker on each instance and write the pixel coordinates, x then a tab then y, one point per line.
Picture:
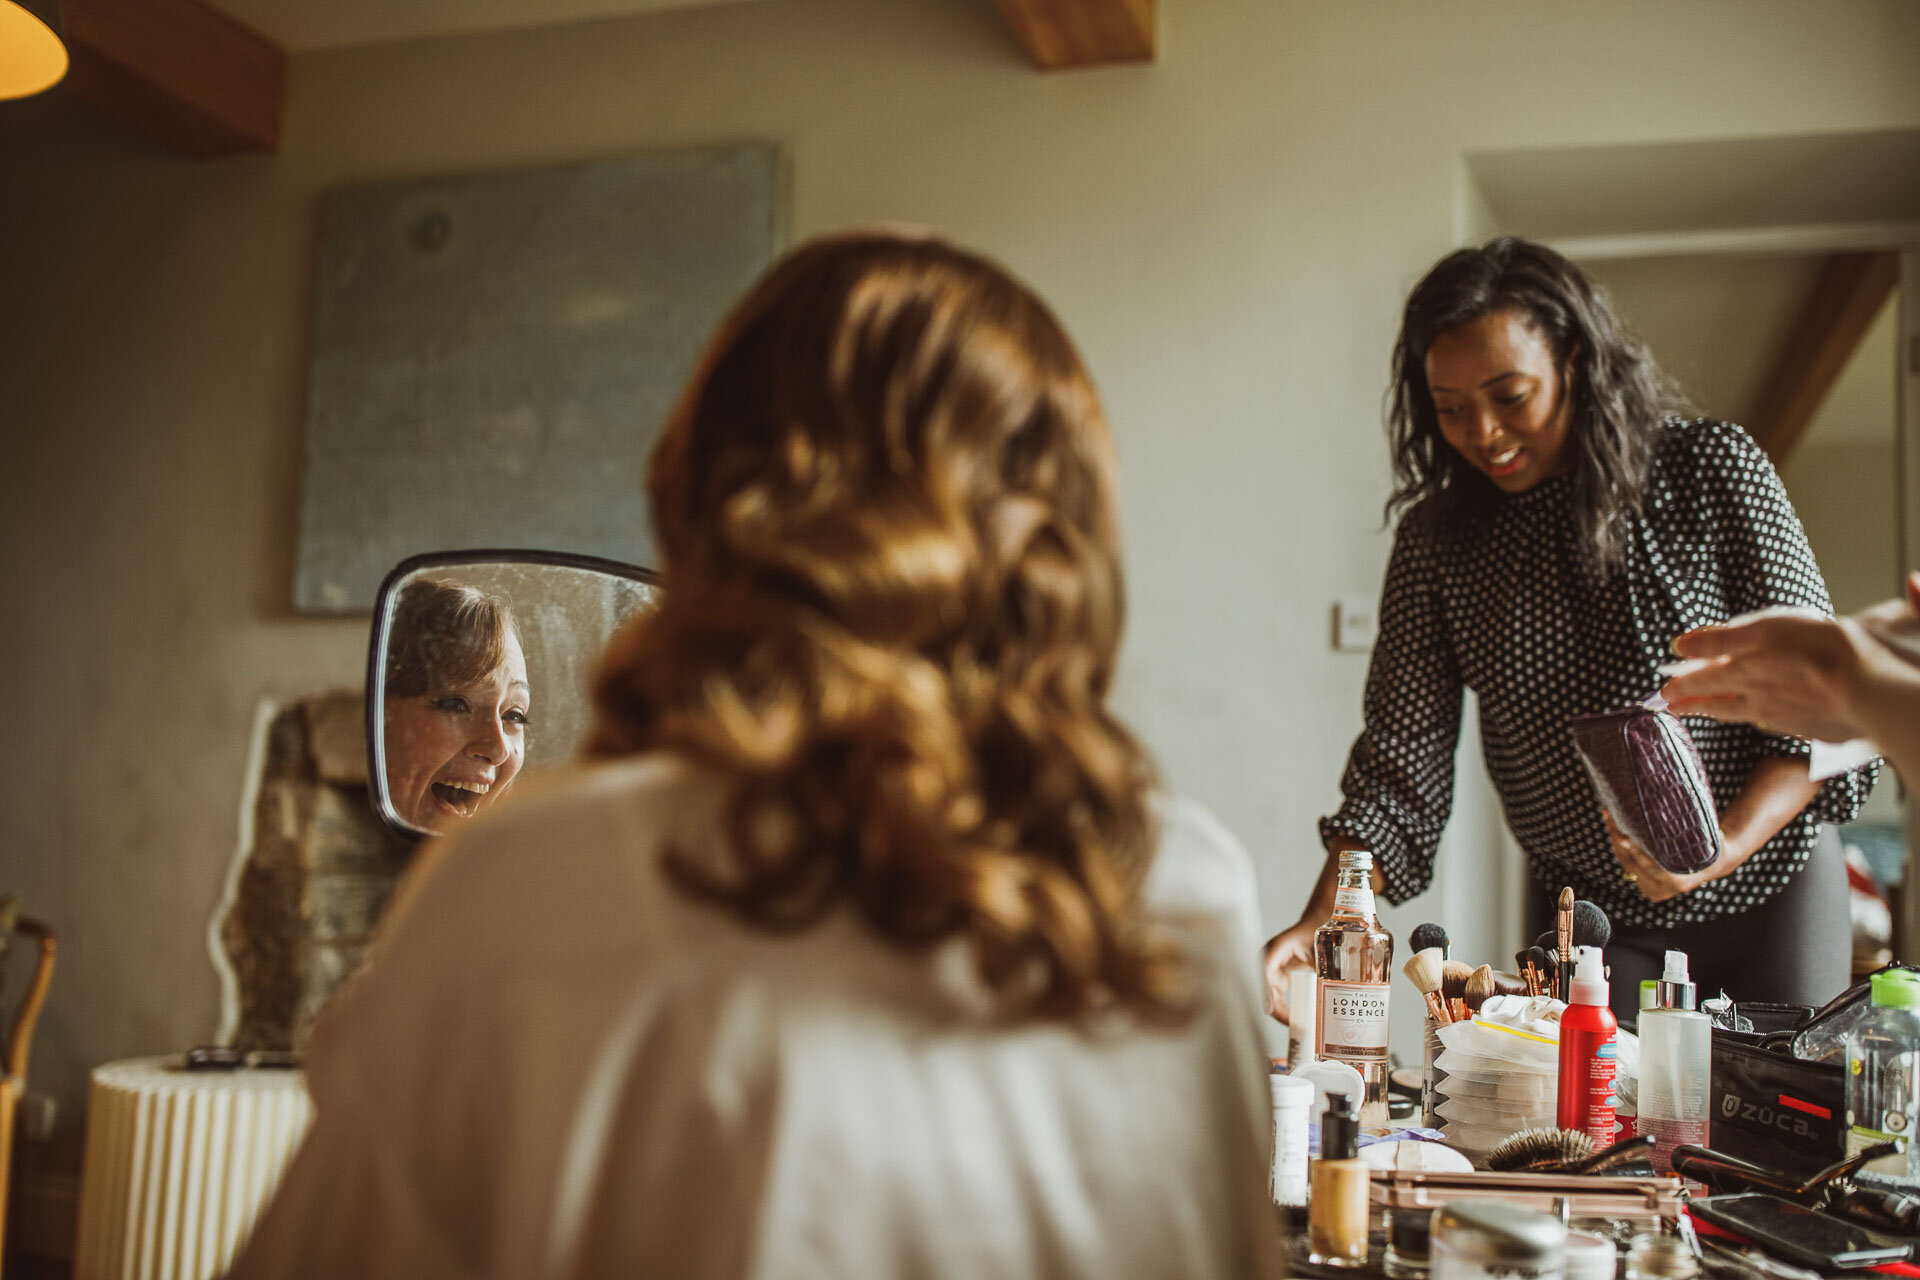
1353	956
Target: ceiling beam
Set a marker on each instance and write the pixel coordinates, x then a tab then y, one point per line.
178	71
1065	35
1846	296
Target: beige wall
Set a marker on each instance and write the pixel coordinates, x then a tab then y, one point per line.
1843	475
1844	493
1228	232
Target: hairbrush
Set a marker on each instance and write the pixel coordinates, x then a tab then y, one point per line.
1539	1150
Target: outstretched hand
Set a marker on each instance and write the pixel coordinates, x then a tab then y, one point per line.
1783	671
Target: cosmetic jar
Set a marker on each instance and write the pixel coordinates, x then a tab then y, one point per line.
1495	1240
1590	1257
1408	1237
1659	1257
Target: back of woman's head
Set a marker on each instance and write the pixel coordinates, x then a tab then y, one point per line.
1616	393
893	605
444	635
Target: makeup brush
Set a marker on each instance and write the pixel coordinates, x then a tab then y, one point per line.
1430	935
1563	937
1453	978
1423	971
1591	928
1549	944
1537	968
1523	961
1479	987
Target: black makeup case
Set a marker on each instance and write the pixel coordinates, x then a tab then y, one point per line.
1770	1107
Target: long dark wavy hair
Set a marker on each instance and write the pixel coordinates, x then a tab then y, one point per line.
1617	395
886	505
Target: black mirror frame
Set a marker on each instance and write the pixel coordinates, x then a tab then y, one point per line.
383	622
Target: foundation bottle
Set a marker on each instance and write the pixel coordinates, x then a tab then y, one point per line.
1337	1207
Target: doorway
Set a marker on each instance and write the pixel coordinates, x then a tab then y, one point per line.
1802	348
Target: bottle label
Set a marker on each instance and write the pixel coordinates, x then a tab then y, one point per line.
1357	902
1353	1020
1668	1134
1860	1137
1599	1099
1289	1181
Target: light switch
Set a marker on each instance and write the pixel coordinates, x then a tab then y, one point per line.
1355	621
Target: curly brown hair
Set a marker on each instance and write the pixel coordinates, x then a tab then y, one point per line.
893	605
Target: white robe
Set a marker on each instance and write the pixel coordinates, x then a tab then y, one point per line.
558	1065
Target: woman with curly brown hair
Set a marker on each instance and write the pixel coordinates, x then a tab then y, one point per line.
865	947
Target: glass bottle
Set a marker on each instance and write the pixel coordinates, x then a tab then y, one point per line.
1337	1207
1883	1089
1353	959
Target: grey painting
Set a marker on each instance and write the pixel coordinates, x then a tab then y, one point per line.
493	355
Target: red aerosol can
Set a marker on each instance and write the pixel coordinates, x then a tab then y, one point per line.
1589	1045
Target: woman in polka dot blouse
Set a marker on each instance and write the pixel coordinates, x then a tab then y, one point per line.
1557	532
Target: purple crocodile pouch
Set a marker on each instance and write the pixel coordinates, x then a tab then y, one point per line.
1649	776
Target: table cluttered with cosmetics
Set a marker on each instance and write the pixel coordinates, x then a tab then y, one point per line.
1537	1139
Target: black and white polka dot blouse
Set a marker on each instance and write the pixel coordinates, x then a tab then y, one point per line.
1515	612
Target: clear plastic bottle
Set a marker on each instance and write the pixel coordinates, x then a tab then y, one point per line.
1676	1066
1353	958
1883	1075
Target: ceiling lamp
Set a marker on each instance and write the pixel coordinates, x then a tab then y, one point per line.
31	56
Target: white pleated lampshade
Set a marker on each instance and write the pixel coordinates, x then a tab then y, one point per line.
179	1164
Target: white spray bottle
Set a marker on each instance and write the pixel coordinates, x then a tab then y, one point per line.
1676	1066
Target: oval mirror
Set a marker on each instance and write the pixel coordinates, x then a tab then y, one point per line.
477	672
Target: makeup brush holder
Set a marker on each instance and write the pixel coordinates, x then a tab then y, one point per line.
1432	1078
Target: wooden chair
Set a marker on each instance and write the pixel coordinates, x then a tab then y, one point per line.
19	1042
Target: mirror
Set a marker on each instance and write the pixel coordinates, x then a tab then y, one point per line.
477	672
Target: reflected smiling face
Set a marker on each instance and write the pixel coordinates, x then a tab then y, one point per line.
451	752
1501	399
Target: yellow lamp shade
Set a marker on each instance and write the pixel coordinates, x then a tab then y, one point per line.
31	56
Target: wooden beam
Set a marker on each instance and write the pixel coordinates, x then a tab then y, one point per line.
1846	296
179	71
1064	35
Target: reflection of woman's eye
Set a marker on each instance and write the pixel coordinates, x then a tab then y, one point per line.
450	702
514	715
1516	398
1446	409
